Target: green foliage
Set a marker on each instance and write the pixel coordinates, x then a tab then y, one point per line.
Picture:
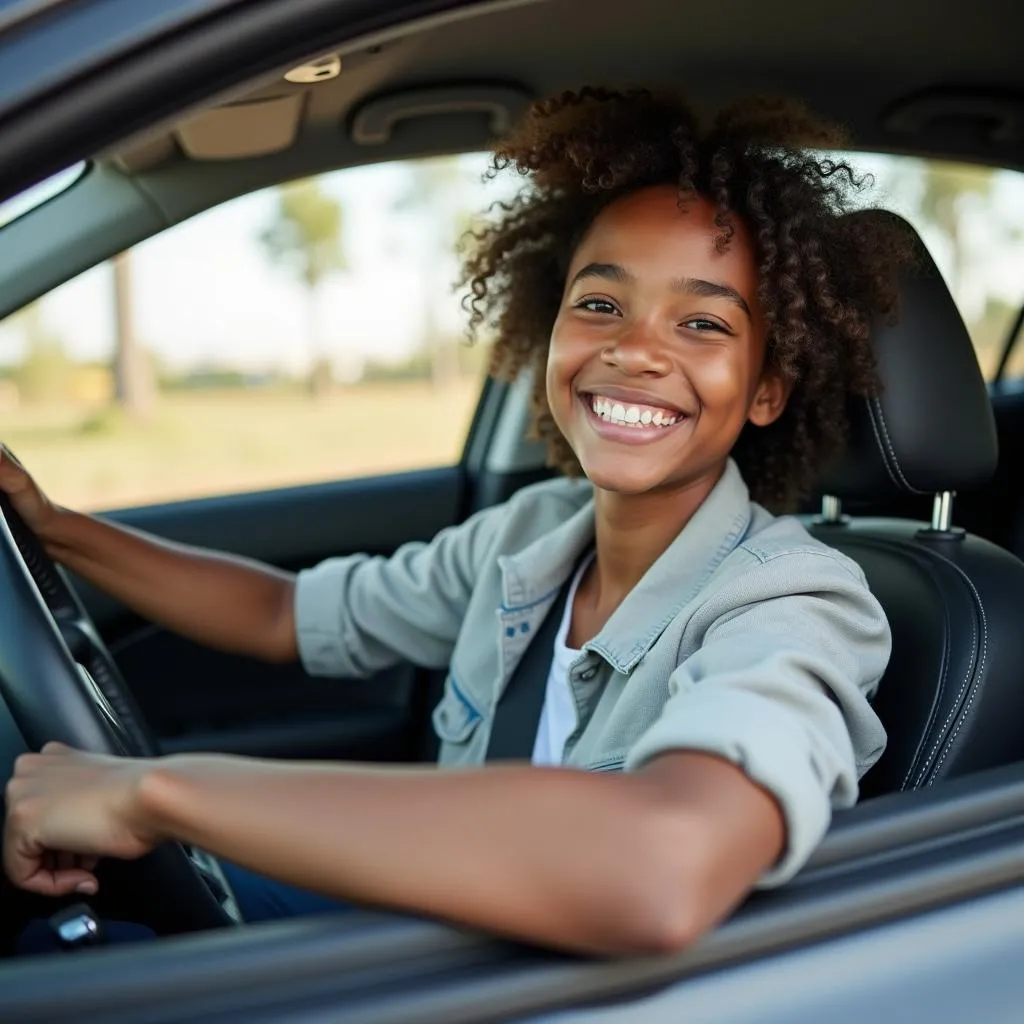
306	233
416	367
436	194
46	373
944	197
945	187
110	420
939	195
470	361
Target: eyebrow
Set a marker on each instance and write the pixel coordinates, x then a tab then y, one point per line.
687	285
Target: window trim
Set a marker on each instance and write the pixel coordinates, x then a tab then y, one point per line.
35	197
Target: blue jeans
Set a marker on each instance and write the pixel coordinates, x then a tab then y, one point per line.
258	898
261	899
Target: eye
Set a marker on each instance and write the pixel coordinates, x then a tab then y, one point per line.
703	325
594	304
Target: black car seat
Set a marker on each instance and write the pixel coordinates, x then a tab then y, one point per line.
952	699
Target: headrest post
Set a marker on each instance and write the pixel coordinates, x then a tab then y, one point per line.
942	512
831	509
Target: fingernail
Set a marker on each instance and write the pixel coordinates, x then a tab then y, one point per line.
86	888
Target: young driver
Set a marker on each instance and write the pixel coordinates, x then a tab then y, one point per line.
696	308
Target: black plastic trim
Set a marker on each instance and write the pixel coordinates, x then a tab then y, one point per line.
478	440
478	444
485	419
1009	344
365	730
255	521
492	488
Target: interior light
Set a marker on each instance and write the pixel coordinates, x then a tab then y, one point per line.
319	70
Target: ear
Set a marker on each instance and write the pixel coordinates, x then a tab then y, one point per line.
773	391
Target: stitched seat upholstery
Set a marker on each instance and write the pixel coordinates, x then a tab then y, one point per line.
952	699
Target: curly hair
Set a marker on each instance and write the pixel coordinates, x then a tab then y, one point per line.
822	275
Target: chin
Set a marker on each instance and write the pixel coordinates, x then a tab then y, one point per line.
619	480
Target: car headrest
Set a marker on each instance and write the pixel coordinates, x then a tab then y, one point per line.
931	427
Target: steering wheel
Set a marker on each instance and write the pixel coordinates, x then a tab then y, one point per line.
60	682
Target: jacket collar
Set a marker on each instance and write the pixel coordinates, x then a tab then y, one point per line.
535	574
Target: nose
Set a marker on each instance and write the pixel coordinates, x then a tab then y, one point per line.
638	351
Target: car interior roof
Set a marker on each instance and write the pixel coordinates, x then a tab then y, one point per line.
862	65
900	78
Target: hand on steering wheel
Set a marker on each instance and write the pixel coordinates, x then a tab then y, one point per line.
29	515
60	683
27	499
65	809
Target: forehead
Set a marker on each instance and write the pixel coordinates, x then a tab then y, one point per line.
652	236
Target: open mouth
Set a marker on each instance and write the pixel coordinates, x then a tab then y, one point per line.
637	416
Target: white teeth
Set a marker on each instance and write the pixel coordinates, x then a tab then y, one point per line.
631	416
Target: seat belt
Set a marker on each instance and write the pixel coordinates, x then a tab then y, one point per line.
517	716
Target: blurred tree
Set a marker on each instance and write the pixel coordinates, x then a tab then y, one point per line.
944	197
306	237
436	193
946	191
134	383
46	374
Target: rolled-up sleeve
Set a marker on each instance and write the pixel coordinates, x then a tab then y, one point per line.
360	614
780	686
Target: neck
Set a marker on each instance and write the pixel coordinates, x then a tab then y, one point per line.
633	530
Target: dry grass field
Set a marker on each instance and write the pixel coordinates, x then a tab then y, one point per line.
198	444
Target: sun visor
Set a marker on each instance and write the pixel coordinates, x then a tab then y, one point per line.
242	130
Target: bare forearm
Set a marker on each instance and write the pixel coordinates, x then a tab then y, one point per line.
225	602
588	862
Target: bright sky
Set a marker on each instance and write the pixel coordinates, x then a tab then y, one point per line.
205	292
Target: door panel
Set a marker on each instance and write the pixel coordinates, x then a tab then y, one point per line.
198	699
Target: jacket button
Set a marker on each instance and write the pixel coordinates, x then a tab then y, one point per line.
588	673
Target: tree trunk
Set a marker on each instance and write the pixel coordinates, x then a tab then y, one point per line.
444	364
320	380
444	357
134	389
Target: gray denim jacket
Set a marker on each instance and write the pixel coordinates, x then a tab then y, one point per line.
747	638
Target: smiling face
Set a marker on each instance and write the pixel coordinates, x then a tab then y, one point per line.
657	356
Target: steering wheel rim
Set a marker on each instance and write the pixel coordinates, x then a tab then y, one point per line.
60	682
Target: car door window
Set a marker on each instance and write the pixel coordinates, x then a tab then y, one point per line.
304	333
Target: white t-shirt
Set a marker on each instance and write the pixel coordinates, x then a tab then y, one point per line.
558	716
